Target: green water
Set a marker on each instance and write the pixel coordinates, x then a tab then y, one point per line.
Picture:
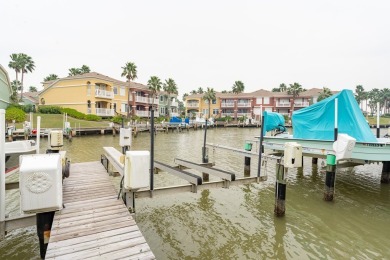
238	223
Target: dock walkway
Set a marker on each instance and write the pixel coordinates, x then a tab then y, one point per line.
94	224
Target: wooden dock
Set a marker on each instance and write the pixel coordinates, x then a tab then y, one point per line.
94	223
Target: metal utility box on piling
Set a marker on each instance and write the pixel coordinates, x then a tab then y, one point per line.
40	182
292	159
247	159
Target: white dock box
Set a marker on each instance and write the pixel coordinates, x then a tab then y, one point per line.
56	138
292	155
137	174
125	137
343	146
40	182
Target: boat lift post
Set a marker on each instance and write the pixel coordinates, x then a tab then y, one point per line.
151	152
2	173
330	176
377	120
261	143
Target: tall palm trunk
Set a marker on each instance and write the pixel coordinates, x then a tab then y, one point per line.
209	107
169	105
21	88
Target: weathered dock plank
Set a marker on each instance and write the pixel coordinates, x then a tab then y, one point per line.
94	223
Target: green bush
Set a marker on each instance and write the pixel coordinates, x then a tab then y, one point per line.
93	118
28	108
73	113
117	119
49	110
14	113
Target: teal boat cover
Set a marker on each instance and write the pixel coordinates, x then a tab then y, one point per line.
317	121
273	121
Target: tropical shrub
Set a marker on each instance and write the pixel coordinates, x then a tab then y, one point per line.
49	110
73	113
93	118
15	113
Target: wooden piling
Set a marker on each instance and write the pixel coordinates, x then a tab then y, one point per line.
280	191
385	177
330	177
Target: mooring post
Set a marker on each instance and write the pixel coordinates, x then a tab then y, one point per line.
151	153
205	158
2	173
378	130
385	177
330	177
247	160
44	222
261	147
280	191
314	160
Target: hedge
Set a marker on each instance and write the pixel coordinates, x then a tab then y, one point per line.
15	113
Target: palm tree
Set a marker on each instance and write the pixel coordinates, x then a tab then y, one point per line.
209	95
385	93
85	69
238	87
282	87
374	96
185	95
50	77
200	90
15	65
171	88
294	90
359	95
193	92
32	89
74	71
130	72
325	93
26	65
154	84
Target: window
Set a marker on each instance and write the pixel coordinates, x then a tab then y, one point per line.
259	100
115	90
88	90
215	111
214	101
161	98
123	107
122	91
266	100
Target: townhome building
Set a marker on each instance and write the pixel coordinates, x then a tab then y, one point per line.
251	105
168	104
97	94
5	89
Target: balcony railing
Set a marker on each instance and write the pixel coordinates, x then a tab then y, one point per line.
143	113
227	104
243	104
244	114
301	104
141	99
104	112
284	104
227	114
192	104
104	93
174	104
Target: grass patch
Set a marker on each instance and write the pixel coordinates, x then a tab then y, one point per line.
56	121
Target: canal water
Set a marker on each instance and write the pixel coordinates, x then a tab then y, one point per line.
238	223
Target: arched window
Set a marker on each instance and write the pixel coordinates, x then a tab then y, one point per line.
42	101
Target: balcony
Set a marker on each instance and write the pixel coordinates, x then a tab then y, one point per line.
153	100
104	94
105	112
193	104
243	104
174	104
141	99
301	104
283	104
227	104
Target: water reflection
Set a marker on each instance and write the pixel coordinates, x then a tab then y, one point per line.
238	223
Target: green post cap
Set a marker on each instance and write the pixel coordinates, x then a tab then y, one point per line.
331	159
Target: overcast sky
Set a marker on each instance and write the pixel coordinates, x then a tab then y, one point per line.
335	44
